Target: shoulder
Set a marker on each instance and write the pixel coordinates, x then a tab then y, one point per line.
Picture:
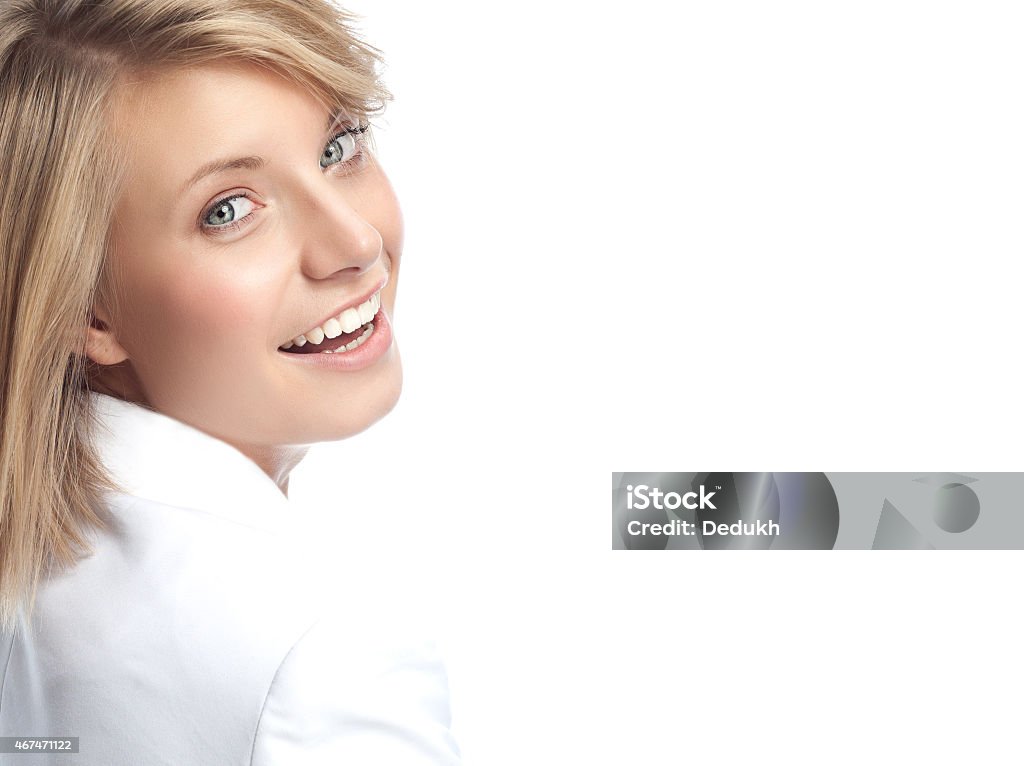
187	566
205	578
186	575
365	684
178	620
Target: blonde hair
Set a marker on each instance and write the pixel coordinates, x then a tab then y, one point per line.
63	66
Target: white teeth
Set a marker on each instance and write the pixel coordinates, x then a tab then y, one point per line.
353	344
332	328
351	319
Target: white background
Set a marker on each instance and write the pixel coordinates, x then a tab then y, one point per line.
659	237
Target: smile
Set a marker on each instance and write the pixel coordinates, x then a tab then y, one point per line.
344	332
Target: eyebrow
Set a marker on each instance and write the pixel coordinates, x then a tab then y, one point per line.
253	162
219	166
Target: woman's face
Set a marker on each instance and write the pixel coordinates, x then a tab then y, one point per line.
220	268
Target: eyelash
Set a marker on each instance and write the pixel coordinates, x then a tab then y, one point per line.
236	225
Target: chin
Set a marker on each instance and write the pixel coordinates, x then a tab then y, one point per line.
362	408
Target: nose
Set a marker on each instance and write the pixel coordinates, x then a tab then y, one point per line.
337	238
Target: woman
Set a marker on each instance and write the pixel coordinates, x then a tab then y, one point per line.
200	257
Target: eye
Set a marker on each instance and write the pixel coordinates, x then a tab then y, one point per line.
343	147
228	210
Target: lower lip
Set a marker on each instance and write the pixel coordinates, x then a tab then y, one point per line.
358	358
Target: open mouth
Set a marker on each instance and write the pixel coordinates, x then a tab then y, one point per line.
347	341
345	332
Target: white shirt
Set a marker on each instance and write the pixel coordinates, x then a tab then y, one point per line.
205	629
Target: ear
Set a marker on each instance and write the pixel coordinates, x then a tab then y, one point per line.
101	345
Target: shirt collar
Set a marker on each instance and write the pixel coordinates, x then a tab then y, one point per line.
153	456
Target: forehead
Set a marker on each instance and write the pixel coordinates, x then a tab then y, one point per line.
169	123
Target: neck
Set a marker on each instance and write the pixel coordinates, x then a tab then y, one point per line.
276	462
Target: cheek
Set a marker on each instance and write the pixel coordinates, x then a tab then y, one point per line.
385	214
393	230
192	312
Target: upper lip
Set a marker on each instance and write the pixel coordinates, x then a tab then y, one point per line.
349	305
